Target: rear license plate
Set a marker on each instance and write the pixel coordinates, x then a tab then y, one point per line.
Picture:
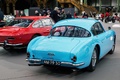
51	62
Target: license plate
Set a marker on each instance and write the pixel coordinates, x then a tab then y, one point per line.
51	62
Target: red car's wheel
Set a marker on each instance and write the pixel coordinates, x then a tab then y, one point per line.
35	36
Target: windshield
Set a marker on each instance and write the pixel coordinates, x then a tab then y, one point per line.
70	31
20	23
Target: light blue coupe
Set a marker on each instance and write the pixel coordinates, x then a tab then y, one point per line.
73	43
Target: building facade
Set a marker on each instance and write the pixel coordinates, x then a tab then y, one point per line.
8	6
101	4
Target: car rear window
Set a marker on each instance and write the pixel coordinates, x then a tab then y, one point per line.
70	31
20	23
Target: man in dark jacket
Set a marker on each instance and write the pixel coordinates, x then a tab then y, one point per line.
36	13
55	15
1	15
1	18
68	15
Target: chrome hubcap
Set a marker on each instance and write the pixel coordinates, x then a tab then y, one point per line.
113	47
94	58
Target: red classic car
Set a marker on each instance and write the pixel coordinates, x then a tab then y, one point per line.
19	32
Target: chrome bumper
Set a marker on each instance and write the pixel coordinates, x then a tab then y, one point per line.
8	44
37	62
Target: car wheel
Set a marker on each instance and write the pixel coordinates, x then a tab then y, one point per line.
113	47
106	20
113	21
94	60
35	36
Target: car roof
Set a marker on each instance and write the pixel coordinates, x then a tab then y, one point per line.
32	17
81	22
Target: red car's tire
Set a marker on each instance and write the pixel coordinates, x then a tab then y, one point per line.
35	36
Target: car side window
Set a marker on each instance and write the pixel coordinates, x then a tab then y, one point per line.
83	32
70	31
97	29
40	23
101	30
52	22
46	22
36	24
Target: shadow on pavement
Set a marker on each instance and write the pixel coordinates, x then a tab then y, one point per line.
12	52
59	71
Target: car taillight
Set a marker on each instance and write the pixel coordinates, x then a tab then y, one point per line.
28	55
74	59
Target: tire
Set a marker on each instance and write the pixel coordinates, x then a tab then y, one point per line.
94	60
113	47
106	20
35	36
113	20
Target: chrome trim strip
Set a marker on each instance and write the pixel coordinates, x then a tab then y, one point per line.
7	44
72	64
36	60
62	63
1	43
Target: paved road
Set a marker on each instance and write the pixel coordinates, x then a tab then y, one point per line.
14	67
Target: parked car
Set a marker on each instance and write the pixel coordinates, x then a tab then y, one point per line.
20	31
73	43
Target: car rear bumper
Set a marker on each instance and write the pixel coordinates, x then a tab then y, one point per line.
5	43
38	62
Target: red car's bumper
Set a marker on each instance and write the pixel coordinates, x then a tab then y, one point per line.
13	41
5	43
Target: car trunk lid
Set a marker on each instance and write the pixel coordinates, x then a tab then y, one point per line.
55	48
5	31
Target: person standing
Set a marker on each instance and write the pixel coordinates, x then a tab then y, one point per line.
102	16
48	13
85	15
62	15
1	15
22	13
75	15
68	15
36	13
55	14
107	14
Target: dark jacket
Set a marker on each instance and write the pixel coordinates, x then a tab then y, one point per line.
68	16
36	14
1	15
54	15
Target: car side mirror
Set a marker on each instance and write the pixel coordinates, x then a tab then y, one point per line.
109	28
